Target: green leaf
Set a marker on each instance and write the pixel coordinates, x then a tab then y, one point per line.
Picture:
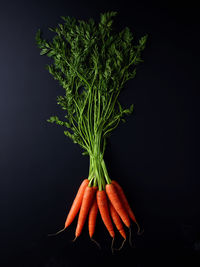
91	62
44	51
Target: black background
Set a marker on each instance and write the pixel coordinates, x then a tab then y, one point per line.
154	155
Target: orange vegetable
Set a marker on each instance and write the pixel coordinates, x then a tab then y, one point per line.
124	200
76	203
104	211
85	207
92	218
117	203
117	221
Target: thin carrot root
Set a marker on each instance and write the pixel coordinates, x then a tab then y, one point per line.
112	248
60	231
130	239
98	245
139	231
123	242
74	238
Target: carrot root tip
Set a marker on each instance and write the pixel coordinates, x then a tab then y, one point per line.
130	238
60	231
123	242
139	231
98	245
74	238
112	245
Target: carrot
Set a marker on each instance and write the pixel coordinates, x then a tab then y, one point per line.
124	200
75	206
104	211
126	205
117	203
76	203
85	206
92	218
117	221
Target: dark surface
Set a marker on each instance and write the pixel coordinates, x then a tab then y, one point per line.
154	155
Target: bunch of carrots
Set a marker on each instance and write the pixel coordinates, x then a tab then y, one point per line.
92	61
111	203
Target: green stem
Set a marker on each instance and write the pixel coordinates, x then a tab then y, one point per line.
98	171
108	180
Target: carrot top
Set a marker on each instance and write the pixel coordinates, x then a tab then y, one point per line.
92	61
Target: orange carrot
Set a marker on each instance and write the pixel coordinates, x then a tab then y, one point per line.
104	211
124	200
85	206
76	203
117	203
92	218
117	221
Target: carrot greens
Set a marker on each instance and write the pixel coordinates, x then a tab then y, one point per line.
92	63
